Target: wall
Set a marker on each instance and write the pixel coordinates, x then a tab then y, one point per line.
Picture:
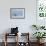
23	24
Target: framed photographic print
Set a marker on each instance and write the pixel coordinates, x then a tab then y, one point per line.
41	8
17	13
41	12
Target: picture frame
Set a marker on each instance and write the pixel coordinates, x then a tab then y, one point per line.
40	12
41	8
17	13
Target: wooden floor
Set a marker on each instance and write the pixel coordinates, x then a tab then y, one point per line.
13	44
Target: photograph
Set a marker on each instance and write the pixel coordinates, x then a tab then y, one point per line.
17	13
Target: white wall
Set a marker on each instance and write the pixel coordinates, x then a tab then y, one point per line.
23	24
